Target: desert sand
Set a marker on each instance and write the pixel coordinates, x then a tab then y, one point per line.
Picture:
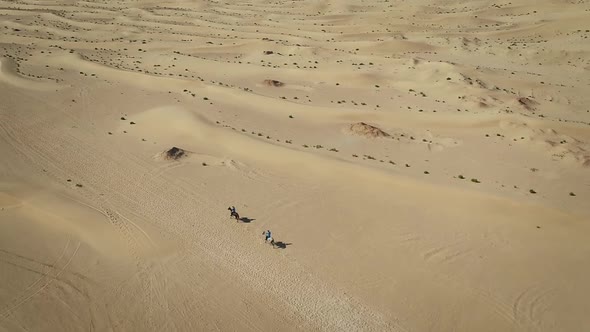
423	165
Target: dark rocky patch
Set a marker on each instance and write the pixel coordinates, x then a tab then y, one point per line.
274	83
175	153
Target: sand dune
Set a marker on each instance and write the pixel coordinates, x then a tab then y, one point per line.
423	166
9	75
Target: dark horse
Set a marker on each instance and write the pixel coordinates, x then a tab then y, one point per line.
233	214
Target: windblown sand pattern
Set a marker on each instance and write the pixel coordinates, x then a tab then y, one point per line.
423	166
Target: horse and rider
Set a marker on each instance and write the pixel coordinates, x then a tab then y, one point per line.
268	237
233	213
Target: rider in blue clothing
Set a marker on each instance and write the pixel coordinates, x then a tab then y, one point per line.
267	235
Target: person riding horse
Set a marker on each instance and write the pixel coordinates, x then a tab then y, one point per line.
233	213
268	237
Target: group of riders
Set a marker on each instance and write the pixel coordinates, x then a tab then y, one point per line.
267	235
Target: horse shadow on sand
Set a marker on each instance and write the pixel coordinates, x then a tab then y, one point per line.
246	219
281	245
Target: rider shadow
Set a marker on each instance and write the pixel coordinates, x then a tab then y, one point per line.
246	220
282	245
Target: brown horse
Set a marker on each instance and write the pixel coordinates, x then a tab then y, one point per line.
233	214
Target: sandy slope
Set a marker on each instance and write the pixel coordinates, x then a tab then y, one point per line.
459	205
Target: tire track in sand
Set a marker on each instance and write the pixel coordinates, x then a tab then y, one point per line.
42	283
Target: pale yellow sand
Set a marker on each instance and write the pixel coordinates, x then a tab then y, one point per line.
461	203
